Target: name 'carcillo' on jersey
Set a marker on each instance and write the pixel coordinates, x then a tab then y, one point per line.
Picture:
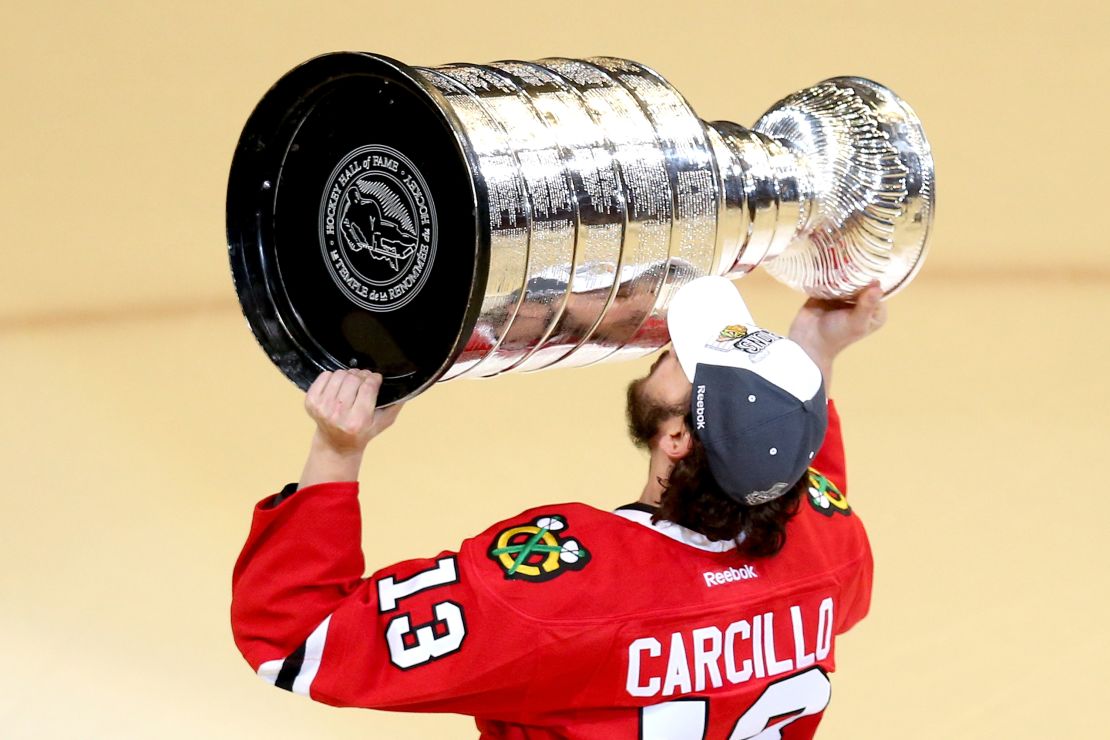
745	649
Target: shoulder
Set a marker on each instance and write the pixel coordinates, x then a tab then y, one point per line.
827	532
563	561
824	496
544	542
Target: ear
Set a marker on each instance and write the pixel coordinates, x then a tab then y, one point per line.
674	438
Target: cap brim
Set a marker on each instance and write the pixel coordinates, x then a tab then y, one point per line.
697	314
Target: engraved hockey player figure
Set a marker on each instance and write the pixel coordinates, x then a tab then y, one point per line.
376	221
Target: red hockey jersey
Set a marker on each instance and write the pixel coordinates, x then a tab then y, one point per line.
562	622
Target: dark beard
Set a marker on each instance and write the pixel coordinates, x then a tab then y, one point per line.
645	414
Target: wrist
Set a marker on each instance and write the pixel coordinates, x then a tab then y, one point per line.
328	448
817	349
822	358
328	463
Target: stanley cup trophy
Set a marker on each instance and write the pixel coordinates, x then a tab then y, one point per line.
471	220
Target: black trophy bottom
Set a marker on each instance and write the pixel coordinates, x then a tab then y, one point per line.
352	225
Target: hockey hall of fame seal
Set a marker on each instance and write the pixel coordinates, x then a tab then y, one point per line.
377	228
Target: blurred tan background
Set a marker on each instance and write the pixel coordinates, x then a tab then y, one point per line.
141	421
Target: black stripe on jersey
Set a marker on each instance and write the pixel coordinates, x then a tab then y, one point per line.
291	668
277	498
637	506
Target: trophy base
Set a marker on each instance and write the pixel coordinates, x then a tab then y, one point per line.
353	225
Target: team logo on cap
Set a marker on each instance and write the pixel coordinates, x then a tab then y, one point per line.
824	496
732	332
534	552
378	228
749	339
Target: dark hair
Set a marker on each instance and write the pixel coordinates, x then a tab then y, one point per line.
691	497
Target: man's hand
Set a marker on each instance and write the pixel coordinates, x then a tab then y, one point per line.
825	328
342	403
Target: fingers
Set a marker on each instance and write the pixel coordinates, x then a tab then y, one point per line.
335	392
317	388
348	388
324	399
313	399
336	380
878	317
366	402
367	396
870	312
871	295
343	403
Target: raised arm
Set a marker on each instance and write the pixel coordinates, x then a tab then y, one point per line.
342	405
824	329
420	635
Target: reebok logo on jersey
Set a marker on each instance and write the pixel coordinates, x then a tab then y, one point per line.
730	575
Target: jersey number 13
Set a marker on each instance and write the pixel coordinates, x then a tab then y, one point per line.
412	645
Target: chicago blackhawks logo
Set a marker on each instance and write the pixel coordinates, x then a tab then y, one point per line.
824	496
377	228
732	333
533	552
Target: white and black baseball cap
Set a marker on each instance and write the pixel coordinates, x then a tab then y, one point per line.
758	400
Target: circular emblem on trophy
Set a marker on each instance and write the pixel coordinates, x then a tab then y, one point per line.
377	228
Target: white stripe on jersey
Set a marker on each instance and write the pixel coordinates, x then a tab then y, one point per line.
313	653
310	664
269	671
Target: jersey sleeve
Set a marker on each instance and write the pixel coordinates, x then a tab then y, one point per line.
830	458
420	635
830	464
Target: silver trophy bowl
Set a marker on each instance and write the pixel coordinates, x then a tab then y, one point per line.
471	220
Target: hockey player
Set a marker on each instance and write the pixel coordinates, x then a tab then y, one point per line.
709	608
